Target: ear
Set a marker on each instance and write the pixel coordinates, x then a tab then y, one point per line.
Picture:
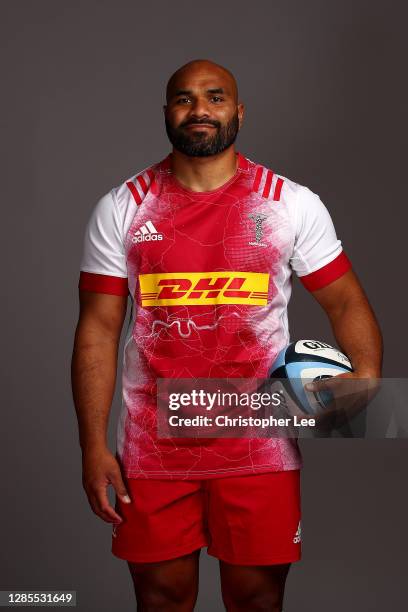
241	112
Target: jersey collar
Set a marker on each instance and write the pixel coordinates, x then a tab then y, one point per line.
165	164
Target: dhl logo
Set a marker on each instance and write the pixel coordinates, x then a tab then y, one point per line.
170	289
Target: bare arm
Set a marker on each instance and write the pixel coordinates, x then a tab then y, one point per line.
354	324
94	364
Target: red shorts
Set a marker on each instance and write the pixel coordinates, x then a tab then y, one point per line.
244	520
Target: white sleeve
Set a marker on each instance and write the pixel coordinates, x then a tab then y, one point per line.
103	245
316	243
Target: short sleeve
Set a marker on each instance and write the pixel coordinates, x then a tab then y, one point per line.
103	265
318	257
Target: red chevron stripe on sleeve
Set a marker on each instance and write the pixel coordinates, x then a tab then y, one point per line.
257	179
133	190
268	183
278	189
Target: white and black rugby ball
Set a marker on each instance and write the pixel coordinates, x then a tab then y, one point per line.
306	361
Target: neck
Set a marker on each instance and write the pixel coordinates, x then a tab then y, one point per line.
204	173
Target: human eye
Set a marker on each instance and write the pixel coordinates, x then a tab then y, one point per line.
183	100
217	99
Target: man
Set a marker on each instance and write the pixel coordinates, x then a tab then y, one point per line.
204	242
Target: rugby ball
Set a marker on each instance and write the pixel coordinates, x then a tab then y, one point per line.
306	361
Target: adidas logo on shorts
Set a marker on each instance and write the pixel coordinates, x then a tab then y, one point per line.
146	233
298	535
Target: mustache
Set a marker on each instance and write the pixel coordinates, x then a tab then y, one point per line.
199	122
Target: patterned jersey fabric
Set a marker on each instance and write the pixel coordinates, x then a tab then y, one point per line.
209	276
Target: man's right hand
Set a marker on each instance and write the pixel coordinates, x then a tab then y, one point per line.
99	470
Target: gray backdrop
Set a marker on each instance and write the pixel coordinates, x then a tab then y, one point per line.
83	86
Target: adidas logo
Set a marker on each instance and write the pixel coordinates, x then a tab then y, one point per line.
298	535
146	233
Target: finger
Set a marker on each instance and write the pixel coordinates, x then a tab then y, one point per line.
102	515
104	508
311	386
119	486
318	385
93	502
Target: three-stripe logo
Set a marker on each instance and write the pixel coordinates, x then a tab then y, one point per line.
298	535
147	233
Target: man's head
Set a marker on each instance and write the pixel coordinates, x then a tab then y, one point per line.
202	113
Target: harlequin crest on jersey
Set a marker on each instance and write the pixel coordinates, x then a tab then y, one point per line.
258	218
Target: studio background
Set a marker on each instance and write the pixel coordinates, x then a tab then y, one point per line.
83	88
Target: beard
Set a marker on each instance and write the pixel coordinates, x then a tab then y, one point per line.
201	144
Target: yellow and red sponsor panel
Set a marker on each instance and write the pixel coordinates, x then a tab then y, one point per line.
174	288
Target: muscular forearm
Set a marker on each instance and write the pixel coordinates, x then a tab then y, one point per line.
94	364
358	335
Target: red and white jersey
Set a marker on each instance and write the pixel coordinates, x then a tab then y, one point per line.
209	274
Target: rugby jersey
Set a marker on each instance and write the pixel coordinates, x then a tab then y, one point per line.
209	275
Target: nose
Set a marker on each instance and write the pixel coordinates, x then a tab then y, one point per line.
199	109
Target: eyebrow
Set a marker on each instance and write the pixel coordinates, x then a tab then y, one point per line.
187	92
